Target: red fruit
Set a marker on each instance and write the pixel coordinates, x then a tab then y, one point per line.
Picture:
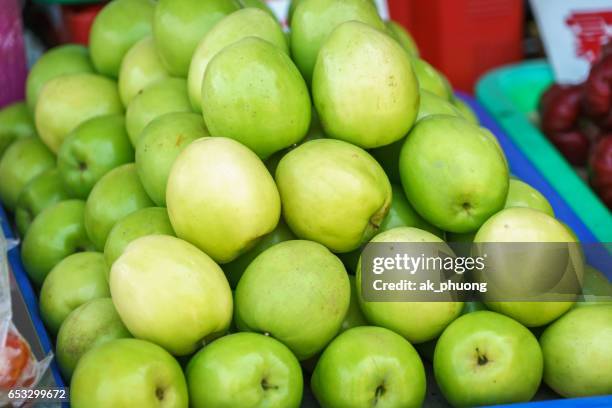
549	95
573	144
598	88
561	108
600	169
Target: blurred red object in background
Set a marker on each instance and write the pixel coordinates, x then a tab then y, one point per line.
78	20
463	38
13	69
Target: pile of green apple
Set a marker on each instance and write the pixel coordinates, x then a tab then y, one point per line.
193	191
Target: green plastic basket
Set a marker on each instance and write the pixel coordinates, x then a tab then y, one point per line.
511	95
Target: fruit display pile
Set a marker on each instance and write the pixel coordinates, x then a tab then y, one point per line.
193	192
577	119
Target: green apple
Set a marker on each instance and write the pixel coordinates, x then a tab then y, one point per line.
418	322
254	94
354	316
245	370
521	194
388	156
577	352
16	122
41	192
235	269
158	146
118	26
333	192
528	225
596	288
94	148
314	20
179	25
140	68
454	173
306	296
401	214
466	111
69	100
403	37
170	293
146	221
55	233
89	325
128	373
370	105
22	162
369	367
248	22
62	60
484	358
164	96
117	194
77	279
431	79
221	198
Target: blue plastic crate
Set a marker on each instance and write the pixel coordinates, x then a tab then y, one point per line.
519	166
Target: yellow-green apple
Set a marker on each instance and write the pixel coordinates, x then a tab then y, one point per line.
221	198
169	292
16	122
333	193
370	105
248	22
544	269
521	194
577	351
313	21
454	173
158	146
307	294
403	37
164	96
77	279
354	316
418	322
369	367
55	233
119	25
128	373
431	79
89	325
254	94
596	288
22	162
69	100
117	194
244	370
485	358
140	68
146	221
62	60
91	150
235	269
466	111
179	25
41	192
388	156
